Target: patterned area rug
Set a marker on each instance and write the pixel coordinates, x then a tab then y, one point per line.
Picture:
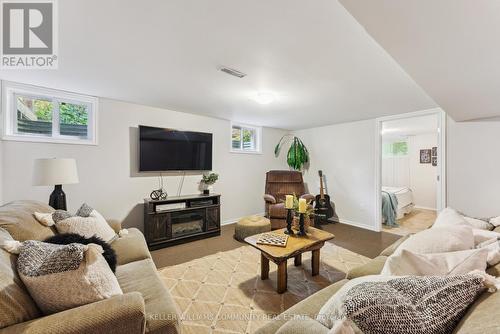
223	292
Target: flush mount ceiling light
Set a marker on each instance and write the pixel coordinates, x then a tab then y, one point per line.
264	97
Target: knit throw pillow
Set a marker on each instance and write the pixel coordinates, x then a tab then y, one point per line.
61	277
403	305
86	222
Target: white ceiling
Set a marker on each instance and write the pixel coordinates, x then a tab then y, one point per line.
450	47
410	126
319	61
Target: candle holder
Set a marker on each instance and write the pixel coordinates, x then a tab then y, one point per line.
302	231
289	222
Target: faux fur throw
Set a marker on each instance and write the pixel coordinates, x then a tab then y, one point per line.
86	222
61	277
399	305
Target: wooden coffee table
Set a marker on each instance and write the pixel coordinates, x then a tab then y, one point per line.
296	245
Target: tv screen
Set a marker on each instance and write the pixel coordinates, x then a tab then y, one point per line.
167	149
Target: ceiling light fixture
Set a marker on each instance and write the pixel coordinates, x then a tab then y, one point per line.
264	98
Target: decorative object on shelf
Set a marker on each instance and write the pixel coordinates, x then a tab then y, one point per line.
55	172
434	161
273	239
425	156
207	180
158	194
289	210
434	151
297	156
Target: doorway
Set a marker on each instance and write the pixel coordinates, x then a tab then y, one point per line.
410	171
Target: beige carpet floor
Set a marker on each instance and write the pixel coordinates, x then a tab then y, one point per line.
223	292
416	221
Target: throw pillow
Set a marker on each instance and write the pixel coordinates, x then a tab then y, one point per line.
479	223
61	277
493	248
439	240
87	222
495	221
440	264
109	253
404	305
481	236
449	217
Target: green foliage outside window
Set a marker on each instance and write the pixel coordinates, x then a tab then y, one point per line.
395	148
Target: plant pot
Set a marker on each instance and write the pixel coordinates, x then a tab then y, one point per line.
296	223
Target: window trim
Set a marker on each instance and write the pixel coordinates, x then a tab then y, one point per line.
9	112
258	138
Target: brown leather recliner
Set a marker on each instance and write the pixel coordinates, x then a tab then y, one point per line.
278	184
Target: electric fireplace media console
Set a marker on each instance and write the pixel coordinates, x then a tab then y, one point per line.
180	219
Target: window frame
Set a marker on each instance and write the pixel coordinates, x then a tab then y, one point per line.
258	138
10	92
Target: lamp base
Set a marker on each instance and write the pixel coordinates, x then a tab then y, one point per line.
57	199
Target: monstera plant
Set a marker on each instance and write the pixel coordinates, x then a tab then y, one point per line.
297	156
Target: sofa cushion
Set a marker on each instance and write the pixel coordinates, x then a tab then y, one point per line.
16	304
372	267
303	325
130	247
390	250
308	307
161	310
482	317
277	210
18	219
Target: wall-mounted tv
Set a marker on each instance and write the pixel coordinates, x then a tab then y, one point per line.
171	150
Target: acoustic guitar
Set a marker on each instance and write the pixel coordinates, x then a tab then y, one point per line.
323	207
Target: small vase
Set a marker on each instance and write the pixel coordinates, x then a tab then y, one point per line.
295	223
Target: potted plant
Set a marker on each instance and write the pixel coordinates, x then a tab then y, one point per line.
207	180
297	156
308	215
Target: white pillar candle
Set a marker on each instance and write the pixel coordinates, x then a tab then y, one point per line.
289	202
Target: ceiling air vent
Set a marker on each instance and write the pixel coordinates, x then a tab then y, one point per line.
233	72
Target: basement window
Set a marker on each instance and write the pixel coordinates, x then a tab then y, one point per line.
245	138
45	115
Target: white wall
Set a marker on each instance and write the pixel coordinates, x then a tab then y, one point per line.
108	178
473	167
423	177
346	155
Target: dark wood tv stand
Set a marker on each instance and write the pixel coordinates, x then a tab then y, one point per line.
180	219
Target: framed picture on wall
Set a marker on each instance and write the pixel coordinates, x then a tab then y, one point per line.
434	161
425	156
434	151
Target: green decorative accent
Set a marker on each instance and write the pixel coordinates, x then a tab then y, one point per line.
309	212
297	156
210	178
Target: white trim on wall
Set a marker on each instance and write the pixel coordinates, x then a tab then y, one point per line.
441	191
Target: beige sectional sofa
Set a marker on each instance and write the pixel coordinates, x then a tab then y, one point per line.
145	306
483	317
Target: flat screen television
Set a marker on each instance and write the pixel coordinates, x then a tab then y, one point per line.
171	150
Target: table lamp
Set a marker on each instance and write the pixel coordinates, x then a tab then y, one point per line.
55	172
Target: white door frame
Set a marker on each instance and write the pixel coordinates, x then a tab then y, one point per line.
441	167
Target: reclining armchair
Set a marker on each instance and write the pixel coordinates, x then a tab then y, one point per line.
278	184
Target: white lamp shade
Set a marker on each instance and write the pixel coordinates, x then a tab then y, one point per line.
49	172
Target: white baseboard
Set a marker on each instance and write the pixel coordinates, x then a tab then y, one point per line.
232	221
360	225
424	208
